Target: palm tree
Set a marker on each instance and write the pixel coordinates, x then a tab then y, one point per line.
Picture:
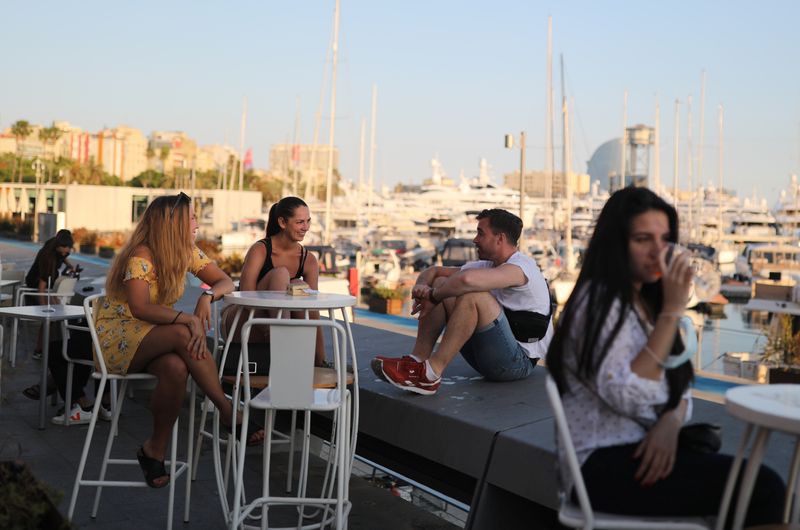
90	172
150	155
163	155
49	136
21	129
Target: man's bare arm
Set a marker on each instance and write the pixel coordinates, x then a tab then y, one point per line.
481	280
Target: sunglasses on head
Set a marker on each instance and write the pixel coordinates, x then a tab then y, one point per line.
181	197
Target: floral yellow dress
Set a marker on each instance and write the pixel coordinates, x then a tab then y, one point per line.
118	331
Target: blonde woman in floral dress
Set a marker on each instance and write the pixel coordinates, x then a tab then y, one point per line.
139	331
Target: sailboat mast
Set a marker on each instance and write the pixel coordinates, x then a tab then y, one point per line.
675	155
311	178
701	141
622	140
331	136
362	145
689	160
522	176
295	145
241	143
549	154
719	169
372	147
657	149
567	172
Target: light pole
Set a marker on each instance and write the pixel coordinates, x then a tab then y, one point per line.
509	143
37	166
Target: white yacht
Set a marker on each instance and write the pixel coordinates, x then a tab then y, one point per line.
787	211
754	219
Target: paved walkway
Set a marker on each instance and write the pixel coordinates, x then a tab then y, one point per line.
53	453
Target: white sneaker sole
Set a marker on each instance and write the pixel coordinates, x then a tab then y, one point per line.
60	421
409	388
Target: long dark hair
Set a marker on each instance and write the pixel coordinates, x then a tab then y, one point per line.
284	208
47	254
605	277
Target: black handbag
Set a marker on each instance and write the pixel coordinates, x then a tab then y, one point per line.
700	437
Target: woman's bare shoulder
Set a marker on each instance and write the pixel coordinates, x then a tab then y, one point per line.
311	260
256	250
143	252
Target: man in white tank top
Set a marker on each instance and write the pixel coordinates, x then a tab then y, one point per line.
477	305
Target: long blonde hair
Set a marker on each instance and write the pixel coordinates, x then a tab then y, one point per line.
165	230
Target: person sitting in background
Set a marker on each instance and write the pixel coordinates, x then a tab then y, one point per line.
273	263
495	311
80	406
42	274
139	331
44	271
79	346
611	359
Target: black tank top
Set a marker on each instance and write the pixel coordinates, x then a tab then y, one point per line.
268	266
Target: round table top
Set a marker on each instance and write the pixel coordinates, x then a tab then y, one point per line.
44	312
281	300
773	406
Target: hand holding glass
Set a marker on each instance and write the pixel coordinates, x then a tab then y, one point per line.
706	279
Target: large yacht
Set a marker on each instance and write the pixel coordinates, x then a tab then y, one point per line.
787	211
754	219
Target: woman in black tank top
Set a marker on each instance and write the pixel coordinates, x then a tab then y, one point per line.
279	259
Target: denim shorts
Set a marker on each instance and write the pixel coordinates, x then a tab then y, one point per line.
495	354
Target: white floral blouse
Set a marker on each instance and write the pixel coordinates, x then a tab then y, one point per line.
612	409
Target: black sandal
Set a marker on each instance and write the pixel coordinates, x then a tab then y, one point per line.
153	469
33	392
252	428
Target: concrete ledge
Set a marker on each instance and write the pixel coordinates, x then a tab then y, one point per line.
501	436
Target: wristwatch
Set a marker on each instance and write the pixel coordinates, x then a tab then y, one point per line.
210	293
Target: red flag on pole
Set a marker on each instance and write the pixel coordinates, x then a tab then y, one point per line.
248	158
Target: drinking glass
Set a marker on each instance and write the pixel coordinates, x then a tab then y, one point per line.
706	279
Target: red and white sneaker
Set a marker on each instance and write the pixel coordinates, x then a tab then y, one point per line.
410	375
77	416
377	364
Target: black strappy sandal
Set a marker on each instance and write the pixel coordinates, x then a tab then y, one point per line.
252	428
153	469
34	392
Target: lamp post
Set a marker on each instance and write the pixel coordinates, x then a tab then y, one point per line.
509	143
37	166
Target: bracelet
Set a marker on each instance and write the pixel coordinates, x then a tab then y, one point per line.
652	354
676	314
432	298
176	317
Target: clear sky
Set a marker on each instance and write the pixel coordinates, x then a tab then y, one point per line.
453	76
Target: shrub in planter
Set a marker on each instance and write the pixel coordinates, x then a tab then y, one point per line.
386	300
88	241
25	230
232	265
113	240
210	248
106	252
79	234
6	226
784	375
782	351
